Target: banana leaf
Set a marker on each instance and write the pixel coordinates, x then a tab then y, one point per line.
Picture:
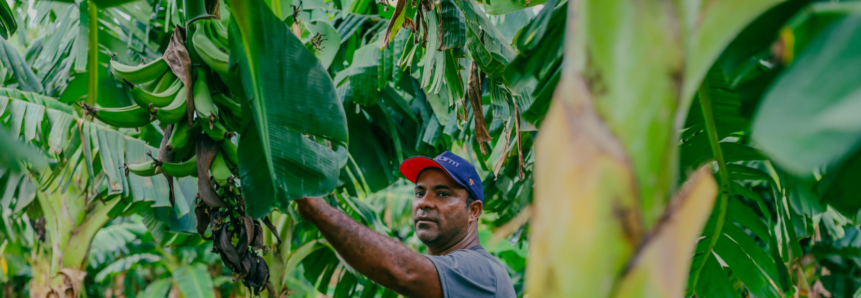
194	281
8	25
287	150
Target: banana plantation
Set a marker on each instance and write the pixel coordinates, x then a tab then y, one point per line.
627	148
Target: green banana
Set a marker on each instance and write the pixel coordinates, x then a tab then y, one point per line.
145	169
209	51
147	99
175	111
217	132
166	81
128	117
203	104
140	73
148	86
183	149
231	153
180	169
231	121
226	103
213	35
178	137
220	171
220	31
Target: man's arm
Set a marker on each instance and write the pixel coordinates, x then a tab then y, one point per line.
380	258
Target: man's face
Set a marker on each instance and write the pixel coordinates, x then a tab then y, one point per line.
439	210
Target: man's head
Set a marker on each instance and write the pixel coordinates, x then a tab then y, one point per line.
448	198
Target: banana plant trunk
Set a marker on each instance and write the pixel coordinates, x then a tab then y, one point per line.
71	222
609	219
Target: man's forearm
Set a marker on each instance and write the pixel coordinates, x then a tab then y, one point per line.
375	255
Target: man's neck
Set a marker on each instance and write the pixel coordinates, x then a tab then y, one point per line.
469	241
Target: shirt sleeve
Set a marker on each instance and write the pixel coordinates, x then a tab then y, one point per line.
465	274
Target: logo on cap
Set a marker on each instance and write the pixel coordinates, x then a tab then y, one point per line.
448	160
471	182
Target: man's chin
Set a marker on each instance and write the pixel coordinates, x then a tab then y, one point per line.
426	236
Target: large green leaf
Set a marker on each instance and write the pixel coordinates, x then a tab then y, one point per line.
808	118
194	281
9	57
8	25
292	100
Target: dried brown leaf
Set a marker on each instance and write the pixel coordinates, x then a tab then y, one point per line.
519	142
474	94
206	149
165	156
177	57
399	9
272	229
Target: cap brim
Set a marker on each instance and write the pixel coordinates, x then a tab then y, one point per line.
412	167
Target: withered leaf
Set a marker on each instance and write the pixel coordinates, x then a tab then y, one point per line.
206	149
474	94
165	156
399	9
202	221
272	229
176	56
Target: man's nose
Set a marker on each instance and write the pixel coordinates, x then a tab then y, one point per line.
424	204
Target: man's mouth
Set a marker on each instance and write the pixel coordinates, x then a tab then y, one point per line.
424	220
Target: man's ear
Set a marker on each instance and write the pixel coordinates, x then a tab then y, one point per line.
475	210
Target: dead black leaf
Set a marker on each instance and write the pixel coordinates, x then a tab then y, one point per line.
202	214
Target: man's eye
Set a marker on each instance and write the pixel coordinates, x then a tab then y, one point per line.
444	194
419	194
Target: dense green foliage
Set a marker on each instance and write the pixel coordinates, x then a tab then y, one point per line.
776	114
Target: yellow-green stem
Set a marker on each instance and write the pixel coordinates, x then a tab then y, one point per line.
93	53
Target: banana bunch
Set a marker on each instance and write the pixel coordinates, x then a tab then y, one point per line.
205	149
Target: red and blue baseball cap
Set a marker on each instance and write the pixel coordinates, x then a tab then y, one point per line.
460	170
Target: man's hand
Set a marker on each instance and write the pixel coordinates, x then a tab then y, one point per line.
380	258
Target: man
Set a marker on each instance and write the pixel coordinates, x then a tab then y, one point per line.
448	202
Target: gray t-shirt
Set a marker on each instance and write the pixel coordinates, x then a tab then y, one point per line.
472	273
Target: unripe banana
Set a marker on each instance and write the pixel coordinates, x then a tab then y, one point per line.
203	104
182	169
220	31
208	51
148	86
147	99
213	36
140	73
217	133
231	122
128	117
183	148
231	153
145	169
166	81
175	111
226	103
219	170
178	137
